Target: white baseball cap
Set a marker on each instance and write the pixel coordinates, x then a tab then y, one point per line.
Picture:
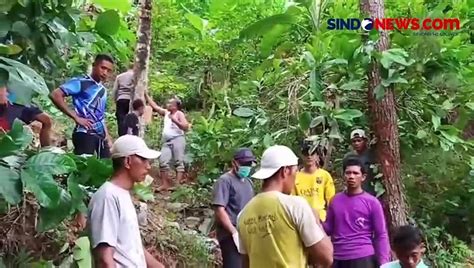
274	158
128	145
358	133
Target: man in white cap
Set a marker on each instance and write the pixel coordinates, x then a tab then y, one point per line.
364	153
113	224
277	229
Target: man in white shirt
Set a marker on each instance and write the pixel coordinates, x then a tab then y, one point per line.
113	225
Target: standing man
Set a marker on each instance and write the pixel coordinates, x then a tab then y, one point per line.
11	111
131	123
356	223
89	97
174	143
277	229
113	224
232	191
362	151
314	183
122	94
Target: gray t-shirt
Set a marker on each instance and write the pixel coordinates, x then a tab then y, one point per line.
113	221
232	193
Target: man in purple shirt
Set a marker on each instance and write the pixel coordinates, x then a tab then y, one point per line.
356	223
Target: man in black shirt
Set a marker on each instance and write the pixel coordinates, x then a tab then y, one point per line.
131	123
10	111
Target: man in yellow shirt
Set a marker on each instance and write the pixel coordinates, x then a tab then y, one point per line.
276	229
314	183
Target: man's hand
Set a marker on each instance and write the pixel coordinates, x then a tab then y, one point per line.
110	141
235	237
83	122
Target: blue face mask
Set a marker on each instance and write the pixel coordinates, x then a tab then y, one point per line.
244	172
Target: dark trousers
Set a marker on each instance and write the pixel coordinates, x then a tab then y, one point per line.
122	109
230	255
366	262
89	144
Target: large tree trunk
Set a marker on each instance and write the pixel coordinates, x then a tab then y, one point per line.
142	53
384	124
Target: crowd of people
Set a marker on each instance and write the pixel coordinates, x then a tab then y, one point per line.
297	220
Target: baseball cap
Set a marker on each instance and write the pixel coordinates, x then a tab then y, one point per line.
358	133
244	155
128	145
274	158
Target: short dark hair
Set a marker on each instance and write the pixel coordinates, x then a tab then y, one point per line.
353	161
178	101
117	163
407	238
101	57
137	104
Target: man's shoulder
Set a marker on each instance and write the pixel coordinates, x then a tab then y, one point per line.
228	176
393	264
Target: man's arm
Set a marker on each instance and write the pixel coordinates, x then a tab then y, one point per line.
58	98
329	223
317	243
221	196
154	106
104	256
381	243
223	218
151	262
46	125
115	89
329	189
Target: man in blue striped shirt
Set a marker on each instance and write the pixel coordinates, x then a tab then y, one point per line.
89	97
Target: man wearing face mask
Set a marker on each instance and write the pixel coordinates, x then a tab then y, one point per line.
232	191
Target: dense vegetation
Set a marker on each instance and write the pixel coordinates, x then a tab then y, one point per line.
256	73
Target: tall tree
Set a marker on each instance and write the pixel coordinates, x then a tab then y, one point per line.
384	124
142	52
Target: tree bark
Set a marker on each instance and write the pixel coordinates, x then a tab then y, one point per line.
385	126
142	54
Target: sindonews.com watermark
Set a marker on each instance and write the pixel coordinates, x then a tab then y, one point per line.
427	26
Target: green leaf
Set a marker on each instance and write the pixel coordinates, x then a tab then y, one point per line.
421	134
99	170
196	21
317	121
243	112
23	83
379	92
21	28
82	252
10	186
77	194
51	217
108	23
43	186
123	6
334	133
352	85
6	5
305	120
24	3
17	139
436	120
393	80
379	189
268	140
51	163
271	38
5	25
309	58
347	114
144	193
10	49
263	26
470	105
